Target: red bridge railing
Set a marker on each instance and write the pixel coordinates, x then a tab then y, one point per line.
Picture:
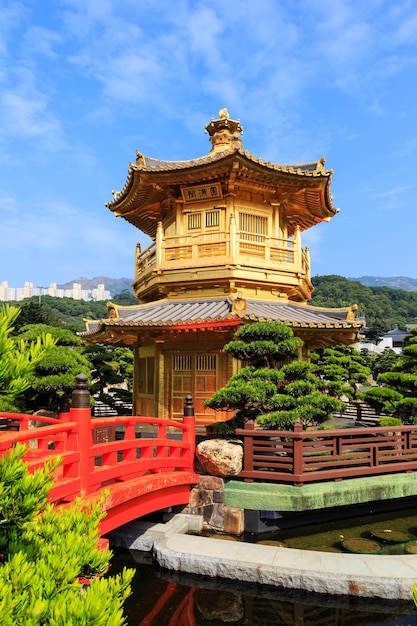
150	453
298	457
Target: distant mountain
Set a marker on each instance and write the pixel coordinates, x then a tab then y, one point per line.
114	285
117	285
394	282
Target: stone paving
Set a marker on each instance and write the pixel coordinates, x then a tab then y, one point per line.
381	576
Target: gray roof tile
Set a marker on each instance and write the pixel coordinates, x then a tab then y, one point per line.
180	312
174	312
289	312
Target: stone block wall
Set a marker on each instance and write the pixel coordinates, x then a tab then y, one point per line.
207	499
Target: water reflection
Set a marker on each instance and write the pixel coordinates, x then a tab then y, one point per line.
164	598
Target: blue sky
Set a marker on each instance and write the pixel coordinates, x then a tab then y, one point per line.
85	83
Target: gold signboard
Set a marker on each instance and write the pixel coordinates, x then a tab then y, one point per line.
212	191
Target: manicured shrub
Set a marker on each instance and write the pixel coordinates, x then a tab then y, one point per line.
276	388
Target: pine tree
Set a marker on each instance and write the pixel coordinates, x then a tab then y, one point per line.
341	368
53	375
111	374
18	357
273	388
401	383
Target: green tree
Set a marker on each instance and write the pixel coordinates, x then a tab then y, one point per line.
54	373
275	388
111	374
376	331
125	297
61	312
384	362
382	399
34	312
18	357
382	307
341	368
72	313
403	379
396	392
46	551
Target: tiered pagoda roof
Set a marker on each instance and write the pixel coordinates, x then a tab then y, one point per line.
303	190
274	285
209	314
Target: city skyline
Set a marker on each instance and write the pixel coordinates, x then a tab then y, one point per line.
86	84
76	292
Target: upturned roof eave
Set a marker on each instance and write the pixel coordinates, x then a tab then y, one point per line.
147	172
104	328
110	332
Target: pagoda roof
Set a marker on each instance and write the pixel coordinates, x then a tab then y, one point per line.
215	312
303	189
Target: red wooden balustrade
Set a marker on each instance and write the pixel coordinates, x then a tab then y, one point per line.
298	457
151	462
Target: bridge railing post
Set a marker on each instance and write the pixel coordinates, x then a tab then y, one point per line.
189	422
64	409
80	412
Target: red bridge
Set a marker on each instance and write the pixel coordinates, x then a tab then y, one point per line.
148	467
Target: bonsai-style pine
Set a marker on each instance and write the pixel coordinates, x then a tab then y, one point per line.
53	375
397	393
274	387
342	367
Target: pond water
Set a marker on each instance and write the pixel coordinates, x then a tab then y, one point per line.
164	598
328	536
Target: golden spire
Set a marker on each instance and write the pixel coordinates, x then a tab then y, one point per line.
224	133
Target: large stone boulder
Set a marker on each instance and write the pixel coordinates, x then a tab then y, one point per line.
220	457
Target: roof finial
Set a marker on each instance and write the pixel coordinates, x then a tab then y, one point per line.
224	133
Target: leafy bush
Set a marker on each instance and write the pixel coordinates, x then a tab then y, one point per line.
18	357
389	421
46	550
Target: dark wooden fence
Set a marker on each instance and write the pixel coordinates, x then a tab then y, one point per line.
298	457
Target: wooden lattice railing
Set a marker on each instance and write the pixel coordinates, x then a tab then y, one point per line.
298	457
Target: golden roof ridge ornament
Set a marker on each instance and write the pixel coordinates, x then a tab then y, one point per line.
224	132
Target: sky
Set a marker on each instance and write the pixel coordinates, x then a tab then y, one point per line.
86	83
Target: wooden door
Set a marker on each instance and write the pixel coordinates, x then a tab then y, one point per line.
198	375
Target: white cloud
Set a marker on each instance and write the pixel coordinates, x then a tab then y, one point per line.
388	199
88	81
24	115
8	208
407	148
47	246
405	33
40	41
11	15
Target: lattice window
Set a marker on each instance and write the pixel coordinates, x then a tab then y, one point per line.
182	363
194	221
212	219
253	227
205	362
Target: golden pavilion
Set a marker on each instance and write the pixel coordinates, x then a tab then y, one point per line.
226	250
